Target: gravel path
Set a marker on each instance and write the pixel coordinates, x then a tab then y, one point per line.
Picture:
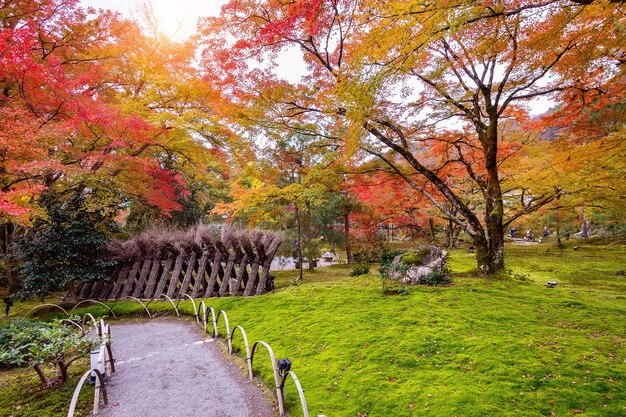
167	368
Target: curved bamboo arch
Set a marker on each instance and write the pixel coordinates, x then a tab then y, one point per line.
305	409
79	387
75	323
193	303
227	324
245	341
279	394
93	321
145	306
213	319
45	305
203	309
105	358
168	299
105	331
95	302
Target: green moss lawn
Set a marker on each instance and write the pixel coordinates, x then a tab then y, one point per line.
480	347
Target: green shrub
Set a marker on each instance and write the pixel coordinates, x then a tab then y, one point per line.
388	255
359	268
66	246
33	343
436	278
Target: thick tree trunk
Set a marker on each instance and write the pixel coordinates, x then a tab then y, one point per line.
61	372
346	231
45	381
72	291
299	242
494	208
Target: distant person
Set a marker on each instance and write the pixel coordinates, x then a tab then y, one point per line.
512	231
546	232
530	235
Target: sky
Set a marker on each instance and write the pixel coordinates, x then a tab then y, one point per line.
177	17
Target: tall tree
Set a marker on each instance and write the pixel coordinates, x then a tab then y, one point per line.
68	126
425	86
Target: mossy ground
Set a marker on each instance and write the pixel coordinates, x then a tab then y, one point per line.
498	347
21	394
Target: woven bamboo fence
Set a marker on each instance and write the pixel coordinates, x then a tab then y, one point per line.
205	261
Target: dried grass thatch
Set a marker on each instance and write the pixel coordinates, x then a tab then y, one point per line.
162	242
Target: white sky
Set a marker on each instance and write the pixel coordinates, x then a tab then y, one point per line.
177	17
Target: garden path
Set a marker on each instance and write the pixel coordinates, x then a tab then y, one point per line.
166	368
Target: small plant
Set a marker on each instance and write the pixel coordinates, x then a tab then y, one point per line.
359	268
516	275
393	287
34	344
436	278
522	277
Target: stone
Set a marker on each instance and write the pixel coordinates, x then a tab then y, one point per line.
415	267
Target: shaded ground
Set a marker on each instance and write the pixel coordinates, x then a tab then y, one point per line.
167	368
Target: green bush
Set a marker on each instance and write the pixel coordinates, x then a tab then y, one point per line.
33	343
388	255
66	246
436	278
359	268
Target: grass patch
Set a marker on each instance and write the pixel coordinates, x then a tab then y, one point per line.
499	347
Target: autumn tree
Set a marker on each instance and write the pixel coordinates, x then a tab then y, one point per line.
427	86
291	173
72	129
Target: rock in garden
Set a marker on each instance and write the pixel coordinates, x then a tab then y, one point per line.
420	266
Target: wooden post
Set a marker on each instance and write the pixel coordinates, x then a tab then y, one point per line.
191	264
143	276
119	281
130	281
270	251
202	263
178	266
254	273
243	264
154	273
96	290
84	290
108	284
215	268
230	264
